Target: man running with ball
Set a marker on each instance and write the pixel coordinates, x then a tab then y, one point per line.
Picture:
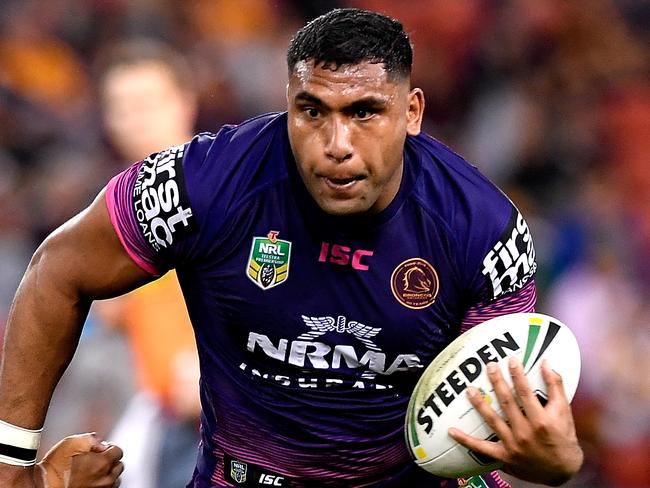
326	255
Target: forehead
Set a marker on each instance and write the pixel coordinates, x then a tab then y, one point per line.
346	82
142	74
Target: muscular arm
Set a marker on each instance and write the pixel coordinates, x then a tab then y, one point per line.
81	261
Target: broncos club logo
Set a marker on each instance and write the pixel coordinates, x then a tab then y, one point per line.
415	280
415	283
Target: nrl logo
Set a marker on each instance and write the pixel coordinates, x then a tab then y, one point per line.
268	264
238	471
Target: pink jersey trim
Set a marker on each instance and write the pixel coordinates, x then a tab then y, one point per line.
522	300
498	480
111	205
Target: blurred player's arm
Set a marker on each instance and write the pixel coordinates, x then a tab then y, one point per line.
81	261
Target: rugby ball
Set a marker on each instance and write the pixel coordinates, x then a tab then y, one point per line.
439	400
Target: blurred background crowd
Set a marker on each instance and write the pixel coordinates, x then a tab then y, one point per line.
550	98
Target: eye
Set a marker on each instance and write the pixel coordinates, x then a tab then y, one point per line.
362	114
312	112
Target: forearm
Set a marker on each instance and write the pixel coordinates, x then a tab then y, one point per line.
43	329
42	333
32	363
83	260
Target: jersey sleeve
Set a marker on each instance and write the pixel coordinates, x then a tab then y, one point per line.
504	273
169	210
502	254
150	210
510	263
522	300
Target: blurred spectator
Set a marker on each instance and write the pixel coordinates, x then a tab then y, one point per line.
148	98
149	104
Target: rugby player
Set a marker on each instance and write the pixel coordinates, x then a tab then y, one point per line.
326	255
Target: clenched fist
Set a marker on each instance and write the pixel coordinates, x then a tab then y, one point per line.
81	461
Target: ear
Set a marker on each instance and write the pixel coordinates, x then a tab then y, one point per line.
415	112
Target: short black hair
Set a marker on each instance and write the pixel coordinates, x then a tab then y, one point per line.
350	36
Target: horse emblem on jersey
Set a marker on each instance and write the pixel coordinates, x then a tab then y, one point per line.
268	263
415	283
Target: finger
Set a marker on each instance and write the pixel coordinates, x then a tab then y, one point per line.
113	453
504	396
494	450
117	470
112	479
554	385
491	417
529	402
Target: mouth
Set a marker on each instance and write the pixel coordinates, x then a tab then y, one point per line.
342	183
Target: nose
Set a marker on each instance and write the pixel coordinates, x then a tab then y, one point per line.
338	145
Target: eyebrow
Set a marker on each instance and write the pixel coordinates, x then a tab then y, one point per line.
369	102
305	96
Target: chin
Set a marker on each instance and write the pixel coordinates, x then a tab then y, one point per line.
343	208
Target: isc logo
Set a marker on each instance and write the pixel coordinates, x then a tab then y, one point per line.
271	480
344	255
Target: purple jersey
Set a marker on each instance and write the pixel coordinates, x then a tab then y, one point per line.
312	330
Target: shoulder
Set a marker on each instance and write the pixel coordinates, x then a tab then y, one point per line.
232	142
488	237
187	192
227	167
455	191
245	133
